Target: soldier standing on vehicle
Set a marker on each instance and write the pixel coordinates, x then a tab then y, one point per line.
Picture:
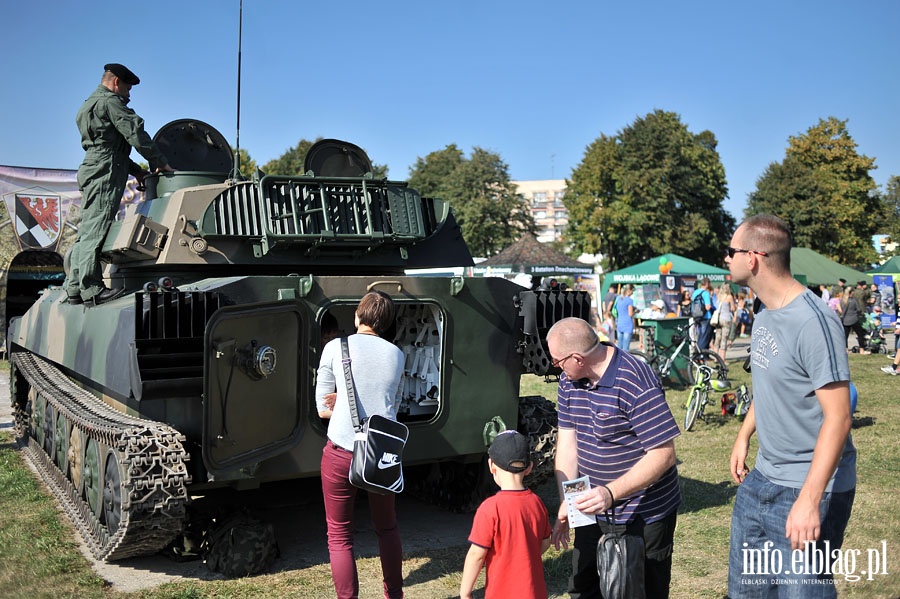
109	129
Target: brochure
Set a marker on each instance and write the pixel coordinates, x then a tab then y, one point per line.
572	489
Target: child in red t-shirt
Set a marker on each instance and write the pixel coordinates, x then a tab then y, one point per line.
511	530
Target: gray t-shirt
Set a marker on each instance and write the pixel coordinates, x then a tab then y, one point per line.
377	367
796	350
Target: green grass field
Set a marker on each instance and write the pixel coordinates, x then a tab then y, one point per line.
39	558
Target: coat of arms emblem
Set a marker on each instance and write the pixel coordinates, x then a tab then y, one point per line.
38	219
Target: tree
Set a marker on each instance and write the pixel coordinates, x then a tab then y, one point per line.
291	162
824	192
490	213
653	188
890	201
247	164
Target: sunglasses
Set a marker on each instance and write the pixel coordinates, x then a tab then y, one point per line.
732	251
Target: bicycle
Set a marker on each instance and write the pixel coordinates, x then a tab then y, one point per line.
699	398
662	362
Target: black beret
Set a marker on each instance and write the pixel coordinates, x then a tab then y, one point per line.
122	72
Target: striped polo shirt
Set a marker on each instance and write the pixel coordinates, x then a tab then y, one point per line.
616	421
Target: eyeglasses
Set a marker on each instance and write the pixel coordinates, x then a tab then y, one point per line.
558	363
732	251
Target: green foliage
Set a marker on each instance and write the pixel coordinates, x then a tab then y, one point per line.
291	162
653	188
890	202
246	164
823	190
484	200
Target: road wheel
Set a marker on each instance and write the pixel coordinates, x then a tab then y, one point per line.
75	457
112	493
61	443
93	476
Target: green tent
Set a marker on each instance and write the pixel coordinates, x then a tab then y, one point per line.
647	272
891	267
819	270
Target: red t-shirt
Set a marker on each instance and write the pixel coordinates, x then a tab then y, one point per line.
511	526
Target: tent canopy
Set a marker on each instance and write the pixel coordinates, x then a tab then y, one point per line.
891	267
648	271
819	270
530	256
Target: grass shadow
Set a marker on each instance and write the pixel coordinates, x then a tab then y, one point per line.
863	421
436	565
698	495
715	420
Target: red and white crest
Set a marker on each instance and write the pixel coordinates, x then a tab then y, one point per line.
38	219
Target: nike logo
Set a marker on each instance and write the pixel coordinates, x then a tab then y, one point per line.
388	460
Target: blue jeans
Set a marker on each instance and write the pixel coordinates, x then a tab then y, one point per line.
623	339
704	334
759	547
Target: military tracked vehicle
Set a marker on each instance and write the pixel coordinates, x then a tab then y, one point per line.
201	377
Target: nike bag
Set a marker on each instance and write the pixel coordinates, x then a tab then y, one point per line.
377	464
620	564
377	455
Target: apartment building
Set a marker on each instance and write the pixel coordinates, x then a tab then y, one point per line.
544	199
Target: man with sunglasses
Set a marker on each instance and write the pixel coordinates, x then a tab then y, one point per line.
800	492
616	428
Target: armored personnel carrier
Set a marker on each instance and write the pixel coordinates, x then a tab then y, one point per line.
201	377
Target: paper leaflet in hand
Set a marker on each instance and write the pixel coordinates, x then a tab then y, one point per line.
572	489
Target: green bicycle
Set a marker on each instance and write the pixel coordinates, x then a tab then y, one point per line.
699	397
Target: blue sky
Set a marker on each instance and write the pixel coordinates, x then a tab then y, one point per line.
534	82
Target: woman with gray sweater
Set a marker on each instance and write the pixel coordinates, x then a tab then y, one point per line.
377	366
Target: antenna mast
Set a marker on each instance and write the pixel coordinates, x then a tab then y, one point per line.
237	135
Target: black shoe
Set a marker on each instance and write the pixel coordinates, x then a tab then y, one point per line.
75	300
105	296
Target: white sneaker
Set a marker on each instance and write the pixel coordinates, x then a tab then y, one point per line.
889	370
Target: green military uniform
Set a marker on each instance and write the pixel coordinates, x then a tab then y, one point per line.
108	130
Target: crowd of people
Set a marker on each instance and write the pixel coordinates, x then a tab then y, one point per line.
727	316
617	430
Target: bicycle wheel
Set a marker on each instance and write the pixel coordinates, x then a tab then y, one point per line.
654	362
642	356
697	398
713	361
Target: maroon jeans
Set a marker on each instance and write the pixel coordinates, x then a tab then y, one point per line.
339	497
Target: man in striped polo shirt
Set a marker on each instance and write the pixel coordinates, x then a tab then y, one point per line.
616	428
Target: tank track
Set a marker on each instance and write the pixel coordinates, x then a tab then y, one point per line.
461	487
538	421
152	474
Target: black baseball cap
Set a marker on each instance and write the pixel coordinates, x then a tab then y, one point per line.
510	452
122	72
